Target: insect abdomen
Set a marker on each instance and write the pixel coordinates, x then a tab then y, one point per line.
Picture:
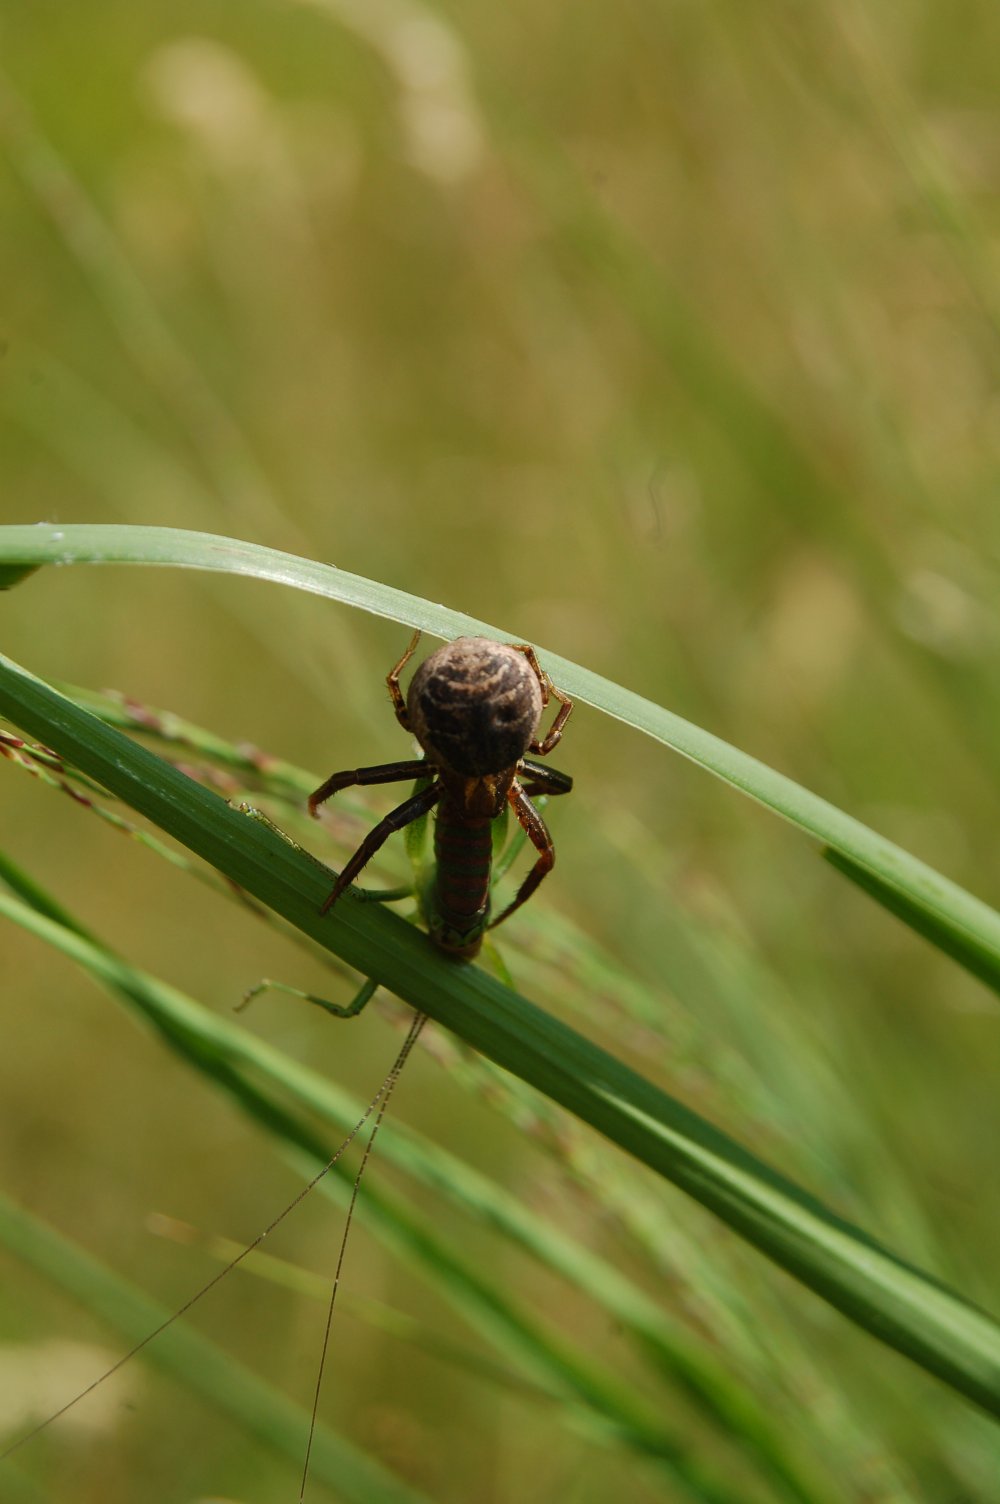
463	850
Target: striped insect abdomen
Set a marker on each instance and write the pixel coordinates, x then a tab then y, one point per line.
460	901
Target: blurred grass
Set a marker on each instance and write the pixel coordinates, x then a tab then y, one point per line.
895	1302
671	342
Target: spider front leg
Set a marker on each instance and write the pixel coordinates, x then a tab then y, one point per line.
383	772
537	832
392	680
411	809
544	747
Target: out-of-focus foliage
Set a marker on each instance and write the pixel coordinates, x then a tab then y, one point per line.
667	336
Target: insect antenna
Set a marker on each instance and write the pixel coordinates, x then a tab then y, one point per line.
376	1105
385	1092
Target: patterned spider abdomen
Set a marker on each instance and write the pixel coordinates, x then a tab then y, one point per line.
474	706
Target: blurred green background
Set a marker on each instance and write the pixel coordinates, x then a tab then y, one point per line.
666	337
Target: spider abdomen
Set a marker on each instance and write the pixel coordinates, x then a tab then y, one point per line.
474	706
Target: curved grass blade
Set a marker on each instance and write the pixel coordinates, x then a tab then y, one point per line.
203	1038
608	1404
888	1297
967	949
946	904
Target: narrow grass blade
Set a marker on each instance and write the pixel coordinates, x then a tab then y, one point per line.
965	948
889	1298
609	1406
920	886
221	1050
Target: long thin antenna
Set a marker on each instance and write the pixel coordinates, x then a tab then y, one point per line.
380	1096
383	1100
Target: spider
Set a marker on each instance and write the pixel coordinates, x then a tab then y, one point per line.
474	706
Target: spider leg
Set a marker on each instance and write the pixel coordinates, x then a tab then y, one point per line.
411	809
544	747
384	772
392	680
536	667
536	778
538	835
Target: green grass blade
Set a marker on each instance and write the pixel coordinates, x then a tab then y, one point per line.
13	574
609	1405
214	1045
946	904
965	948
889	1298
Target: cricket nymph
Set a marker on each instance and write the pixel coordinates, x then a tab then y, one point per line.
474	706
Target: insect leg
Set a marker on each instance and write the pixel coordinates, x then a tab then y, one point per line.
360	1000
538	835
392	679
536	778
383	772
418	804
